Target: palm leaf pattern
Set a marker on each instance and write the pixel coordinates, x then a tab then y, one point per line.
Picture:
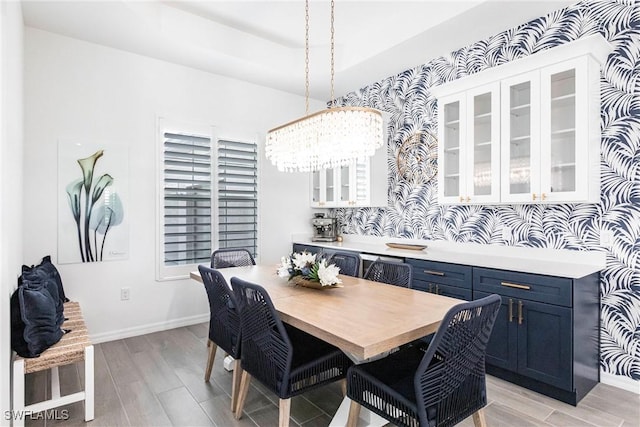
415	213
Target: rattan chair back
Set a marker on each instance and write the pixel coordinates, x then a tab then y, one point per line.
392	273
348	262
231	257
450	381
267	350
224	322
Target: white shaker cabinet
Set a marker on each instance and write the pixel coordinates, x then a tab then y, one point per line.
469	135
520	142
363	183
524	132
551	134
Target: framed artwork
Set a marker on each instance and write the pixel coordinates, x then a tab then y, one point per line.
92	188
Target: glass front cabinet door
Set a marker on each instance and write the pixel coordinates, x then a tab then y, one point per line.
469	146
566	129
451	152
483	142
354	184
520	132
323	188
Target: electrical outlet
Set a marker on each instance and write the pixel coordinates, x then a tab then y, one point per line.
507	232
124	294
606	237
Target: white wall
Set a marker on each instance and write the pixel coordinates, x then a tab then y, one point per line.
79	90
11	141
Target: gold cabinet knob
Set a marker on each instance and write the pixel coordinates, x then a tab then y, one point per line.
534	196
468	199
544	196
461	199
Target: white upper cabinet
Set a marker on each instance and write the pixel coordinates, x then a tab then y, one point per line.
469	135
524	132
520	142
363	183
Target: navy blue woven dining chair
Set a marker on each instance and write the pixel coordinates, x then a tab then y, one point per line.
434	388
224	325
392	273
286	360
348	262
231	257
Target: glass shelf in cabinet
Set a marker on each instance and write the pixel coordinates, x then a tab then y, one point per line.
563	165
518	139
483	144
563	132
520	110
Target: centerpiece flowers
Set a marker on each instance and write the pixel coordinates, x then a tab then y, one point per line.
302	268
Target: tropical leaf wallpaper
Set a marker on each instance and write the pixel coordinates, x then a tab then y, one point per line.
414	211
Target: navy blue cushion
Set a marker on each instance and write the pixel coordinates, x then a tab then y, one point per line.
37	309
18	344
47	274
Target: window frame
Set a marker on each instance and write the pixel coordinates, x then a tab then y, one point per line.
163	124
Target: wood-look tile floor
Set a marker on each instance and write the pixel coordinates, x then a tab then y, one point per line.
157	379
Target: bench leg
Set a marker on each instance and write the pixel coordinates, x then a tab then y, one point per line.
55	383
88	383
18	393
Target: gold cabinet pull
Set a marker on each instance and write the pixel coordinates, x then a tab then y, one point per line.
515	285
435	273
510	310
534	196
461	199
468	199
520	317
544	196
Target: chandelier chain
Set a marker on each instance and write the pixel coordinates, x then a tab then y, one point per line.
327	139
332	51
306	59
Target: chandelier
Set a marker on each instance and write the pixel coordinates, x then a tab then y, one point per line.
330	138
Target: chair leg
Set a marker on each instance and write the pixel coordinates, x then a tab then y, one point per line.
343	387
242	393
235	384
478	418
354	414
212	355
285	411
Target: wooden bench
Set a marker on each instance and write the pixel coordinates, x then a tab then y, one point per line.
74	346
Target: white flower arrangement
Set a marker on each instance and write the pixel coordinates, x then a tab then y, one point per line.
305	265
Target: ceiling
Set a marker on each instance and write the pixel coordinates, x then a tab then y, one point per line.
262	42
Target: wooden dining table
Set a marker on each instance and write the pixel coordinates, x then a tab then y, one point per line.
362	318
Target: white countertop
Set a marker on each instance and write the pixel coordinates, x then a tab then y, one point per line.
551	262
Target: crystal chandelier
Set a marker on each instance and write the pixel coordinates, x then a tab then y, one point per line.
329	138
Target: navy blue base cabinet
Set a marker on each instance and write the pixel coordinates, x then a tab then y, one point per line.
441	278
546	336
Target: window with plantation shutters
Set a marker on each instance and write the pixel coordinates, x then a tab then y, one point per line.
187	228
237	195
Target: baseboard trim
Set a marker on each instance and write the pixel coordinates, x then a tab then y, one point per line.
147	329
619	381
